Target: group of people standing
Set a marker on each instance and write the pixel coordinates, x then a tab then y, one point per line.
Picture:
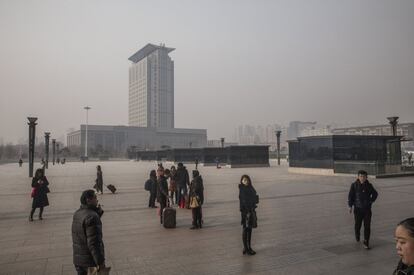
173	187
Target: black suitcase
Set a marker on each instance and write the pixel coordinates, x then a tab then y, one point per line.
111	188
169	217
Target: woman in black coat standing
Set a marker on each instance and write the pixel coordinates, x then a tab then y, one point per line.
196	199
99	179
39	193
248	203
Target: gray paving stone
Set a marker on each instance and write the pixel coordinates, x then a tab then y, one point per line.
304	227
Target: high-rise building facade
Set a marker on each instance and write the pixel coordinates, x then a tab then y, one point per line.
151	88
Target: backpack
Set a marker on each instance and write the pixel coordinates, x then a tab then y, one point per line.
148	184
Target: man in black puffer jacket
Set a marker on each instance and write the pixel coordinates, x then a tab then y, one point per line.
361	196
88	247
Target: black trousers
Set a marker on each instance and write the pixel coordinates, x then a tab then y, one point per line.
40	212
247	238
197	216
151	201
81	270
362	215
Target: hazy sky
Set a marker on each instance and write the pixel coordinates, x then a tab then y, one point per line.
236	62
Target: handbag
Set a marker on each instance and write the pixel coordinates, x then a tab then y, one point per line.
194	202
102	271
33	193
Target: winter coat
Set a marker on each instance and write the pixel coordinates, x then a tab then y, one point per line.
362	195
40	196
248	202
173	182
197	189
153	189
403	269
182	177
88	246
162	189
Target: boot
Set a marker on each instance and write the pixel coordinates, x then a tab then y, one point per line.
249	238
31	215
41	213
244	236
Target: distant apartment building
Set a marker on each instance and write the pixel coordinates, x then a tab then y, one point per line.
261	135
296	127
316	131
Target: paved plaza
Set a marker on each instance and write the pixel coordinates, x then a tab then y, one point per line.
304	224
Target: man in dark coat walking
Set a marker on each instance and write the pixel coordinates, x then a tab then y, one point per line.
361	196
88	246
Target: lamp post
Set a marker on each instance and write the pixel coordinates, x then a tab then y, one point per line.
53	150
393	122
278	145
57	152
32	131
47	135
87	108
222	142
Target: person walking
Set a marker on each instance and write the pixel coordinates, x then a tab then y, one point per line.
151	187
362	195
162	190
99	179
248	203
87	241
196	163
39	193
196	195
404	238
20	162
183	180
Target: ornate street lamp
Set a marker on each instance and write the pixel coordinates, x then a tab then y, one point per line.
32	131
278	145
47	136
393	122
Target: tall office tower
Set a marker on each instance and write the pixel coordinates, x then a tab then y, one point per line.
151	87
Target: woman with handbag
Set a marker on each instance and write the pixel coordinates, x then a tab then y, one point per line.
248	203
196	199
39	193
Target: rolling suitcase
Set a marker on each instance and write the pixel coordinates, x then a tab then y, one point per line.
111	188
169	217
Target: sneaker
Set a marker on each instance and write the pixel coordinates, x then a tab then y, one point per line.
357	239
366	245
